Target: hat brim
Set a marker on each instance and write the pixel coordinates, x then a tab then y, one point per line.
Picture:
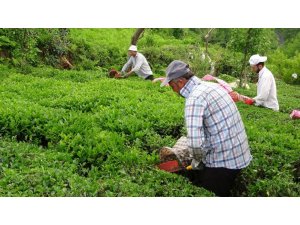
263	59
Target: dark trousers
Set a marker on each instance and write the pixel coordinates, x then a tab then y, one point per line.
217	180
150	77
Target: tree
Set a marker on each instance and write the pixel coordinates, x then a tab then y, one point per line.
19	45
28	46
137	35
286	34
207	37
249	41
206	53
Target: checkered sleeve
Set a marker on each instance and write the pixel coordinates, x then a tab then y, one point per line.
194	116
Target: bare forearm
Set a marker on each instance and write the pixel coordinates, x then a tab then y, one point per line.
129	73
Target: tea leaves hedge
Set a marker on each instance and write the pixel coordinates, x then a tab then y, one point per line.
78	133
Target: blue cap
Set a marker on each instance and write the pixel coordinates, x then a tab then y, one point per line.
175	69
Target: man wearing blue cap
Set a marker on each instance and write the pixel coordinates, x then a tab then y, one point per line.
216	138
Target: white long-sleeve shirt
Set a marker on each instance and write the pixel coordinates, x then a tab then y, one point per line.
140	65
266	90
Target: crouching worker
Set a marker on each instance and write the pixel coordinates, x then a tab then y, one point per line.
138	63
216	145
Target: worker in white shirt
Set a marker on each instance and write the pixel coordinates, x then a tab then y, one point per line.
266	86
138	64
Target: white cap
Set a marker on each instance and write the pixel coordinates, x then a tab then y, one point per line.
255	59
133	48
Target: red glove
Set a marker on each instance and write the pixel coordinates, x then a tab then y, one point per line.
249	101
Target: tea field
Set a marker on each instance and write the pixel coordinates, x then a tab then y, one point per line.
79	133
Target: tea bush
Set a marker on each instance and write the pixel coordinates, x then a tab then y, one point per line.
28	170
275	145
113	136
110	132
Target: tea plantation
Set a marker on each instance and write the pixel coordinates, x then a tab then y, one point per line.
78	133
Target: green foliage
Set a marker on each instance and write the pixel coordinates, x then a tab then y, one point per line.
90	49
31	47
287	34
221	36
284	67
27	170
178	33
249	42
229	63
191	54
227	78
22	46
291	48
6	45
91	140
52	44
292	68
275	146
254	39
105	48
112	136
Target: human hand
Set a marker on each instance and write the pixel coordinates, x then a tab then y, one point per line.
118	75
235	96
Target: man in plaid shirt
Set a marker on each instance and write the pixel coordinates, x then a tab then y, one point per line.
216	138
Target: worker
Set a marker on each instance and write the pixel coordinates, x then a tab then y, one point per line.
216	139
138	63
266	86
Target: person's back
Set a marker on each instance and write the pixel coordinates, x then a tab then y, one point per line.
216	139
223	134
266	90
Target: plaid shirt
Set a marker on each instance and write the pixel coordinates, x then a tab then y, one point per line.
215	131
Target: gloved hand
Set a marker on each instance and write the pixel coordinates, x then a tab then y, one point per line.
189	167
249	101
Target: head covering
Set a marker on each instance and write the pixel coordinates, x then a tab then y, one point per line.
133	48
175	69
255	59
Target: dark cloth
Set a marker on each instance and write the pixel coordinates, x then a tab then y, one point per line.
217	180
151	77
